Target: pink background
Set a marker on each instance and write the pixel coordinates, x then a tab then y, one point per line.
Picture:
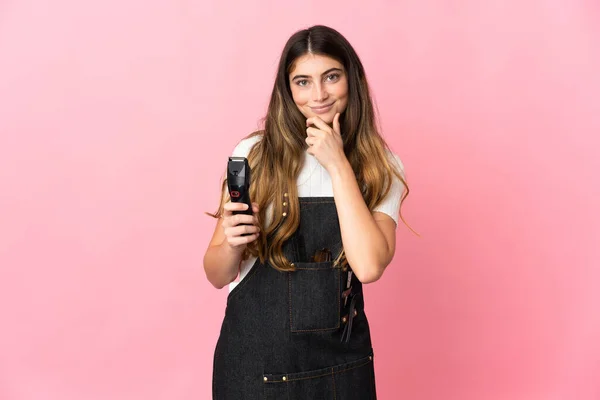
116	118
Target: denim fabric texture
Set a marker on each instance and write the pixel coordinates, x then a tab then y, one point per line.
280	338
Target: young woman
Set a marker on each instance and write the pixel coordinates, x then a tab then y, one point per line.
326	194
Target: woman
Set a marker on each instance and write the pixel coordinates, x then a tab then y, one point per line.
326	194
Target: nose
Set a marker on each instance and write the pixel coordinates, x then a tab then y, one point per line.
319	92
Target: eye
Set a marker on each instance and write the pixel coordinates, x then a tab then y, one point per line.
302	82
333	77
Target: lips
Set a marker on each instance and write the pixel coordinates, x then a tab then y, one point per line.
322	107
322	110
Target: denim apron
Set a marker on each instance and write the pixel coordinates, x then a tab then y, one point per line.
297	335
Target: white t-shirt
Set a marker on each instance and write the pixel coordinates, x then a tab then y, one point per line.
314	181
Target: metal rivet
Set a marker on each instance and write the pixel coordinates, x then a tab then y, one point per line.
284	378
265	379
284	204
284	214
285	195
355	313
370	357
344	319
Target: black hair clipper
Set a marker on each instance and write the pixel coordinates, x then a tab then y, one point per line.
238	182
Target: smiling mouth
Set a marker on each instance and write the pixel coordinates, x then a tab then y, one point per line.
322	107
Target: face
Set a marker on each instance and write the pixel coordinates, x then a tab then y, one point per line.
319	86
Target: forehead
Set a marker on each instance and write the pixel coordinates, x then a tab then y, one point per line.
314	64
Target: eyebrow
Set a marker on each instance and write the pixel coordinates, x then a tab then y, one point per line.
324	73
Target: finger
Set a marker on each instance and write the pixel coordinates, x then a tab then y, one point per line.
311	141
319	123
237	231
312	120
237	219
226	211
242	231
229	221
314	132
241	240
231	206
336	124
252	238
242	219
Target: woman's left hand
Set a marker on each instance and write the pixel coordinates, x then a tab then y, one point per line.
325	142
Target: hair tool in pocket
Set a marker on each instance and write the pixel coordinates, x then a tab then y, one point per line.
238	183
324	255
321	255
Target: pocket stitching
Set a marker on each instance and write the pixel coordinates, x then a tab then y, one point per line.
337	290
333	381
322	372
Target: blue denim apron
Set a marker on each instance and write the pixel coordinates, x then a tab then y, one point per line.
286	335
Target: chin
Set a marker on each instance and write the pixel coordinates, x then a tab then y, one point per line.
325	117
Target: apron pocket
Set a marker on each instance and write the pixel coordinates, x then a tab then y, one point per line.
314	290
348	381
356	383
321	387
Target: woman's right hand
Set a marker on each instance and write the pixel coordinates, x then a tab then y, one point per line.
237	225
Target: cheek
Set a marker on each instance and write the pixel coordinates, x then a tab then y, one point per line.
342	90
299	97
342	95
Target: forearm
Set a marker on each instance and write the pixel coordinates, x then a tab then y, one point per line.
221	264
364	244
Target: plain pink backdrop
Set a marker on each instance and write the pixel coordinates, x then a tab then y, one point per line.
116	119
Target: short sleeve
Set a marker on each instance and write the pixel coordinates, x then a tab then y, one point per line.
245	145
391	203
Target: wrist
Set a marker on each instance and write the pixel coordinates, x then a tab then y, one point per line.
340	168
232	250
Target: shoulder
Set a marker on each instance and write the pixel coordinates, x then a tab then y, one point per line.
396	162
242	149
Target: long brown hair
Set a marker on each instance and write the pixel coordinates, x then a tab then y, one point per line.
276	160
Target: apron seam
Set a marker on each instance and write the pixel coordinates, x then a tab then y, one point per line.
333	372
333	380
